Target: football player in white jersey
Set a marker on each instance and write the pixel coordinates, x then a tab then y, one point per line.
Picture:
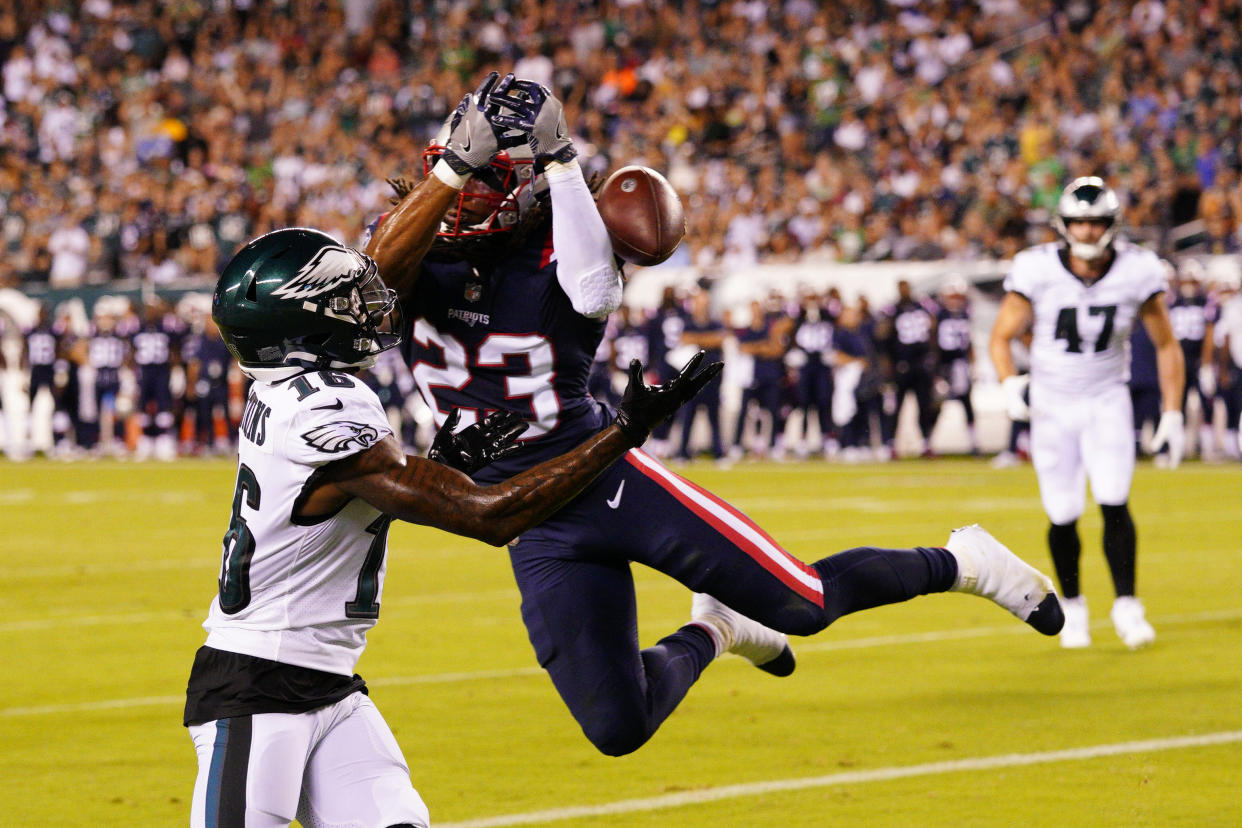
282	726
1080	298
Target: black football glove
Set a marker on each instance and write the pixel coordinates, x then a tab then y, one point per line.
538	114
476	446
474	140
643	407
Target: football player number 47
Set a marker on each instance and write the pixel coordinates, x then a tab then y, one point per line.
239	550
1067	327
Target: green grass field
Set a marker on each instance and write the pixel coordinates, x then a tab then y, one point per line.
941	711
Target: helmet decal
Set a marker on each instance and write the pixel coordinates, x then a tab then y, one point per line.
329	269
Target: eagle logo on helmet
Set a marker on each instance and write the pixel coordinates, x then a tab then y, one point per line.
332	438
331	268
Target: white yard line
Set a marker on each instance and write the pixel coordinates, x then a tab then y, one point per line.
679	800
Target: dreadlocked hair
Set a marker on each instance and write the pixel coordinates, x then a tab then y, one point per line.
534	220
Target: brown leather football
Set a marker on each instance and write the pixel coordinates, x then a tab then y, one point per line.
643	214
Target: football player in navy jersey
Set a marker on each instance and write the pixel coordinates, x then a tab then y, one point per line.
40	351
506	312
207	362
1192	313
156	349
954	352
663	331
765	339
908	330
107	351
700	329
812	338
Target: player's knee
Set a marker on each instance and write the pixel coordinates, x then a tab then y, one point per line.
613	738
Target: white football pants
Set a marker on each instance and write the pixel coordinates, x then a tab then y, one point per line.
1081	437
330	768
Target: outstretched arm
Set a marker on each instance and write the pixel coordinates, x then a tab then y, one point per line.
422	491
405	235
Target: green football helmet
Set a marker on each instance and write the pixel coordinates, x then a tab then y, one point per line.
295	300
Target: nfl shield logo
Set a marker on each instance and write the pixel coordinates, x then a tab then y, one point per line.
474	291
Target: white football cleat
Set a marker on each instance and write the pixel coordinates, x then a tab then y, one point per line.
1131	622
733	632
1076	633
985	567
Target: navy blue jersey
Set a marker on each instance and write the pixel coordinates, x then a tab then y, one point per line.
41	350
106	353
213	359
767	369
708	326
911	337
814	337
663	332
504	336
953	334
1189	317
629	343
156	343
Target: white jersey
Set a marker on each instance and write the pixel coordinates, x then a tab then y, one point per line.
300	592
1081	336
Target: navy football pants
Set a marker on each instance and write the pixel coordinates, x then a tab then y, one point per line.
578	592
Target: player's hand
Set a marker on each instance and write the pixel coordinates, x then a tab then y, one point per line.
643	407
1171	432
1207	380
1016	405
473	139
538	113
478	445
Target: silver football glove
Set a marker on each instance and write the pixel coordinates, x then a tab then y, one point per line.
535	111
473	139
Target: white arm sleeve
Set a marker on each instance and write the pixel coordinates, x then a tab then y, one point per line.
584	263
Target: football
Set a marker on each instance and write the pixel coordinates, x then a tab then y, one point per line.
643	214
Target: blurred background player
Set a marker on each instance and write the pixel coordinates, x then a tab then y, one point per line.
1192	313
207	366
955	354
40	352
812	343
856	402
1080	297
663	330
907	330
701	330
765	339
1228	337
156	350
107	352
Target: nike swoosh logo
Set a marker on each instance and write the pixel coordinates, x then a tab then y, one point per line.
616	499
465	145
336	406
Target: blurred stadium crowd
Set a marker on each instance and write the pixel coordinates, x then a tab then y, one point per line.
150	139
144	142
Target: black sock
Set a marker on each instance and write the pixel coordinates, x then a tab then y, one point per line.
1120	547
1066	549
